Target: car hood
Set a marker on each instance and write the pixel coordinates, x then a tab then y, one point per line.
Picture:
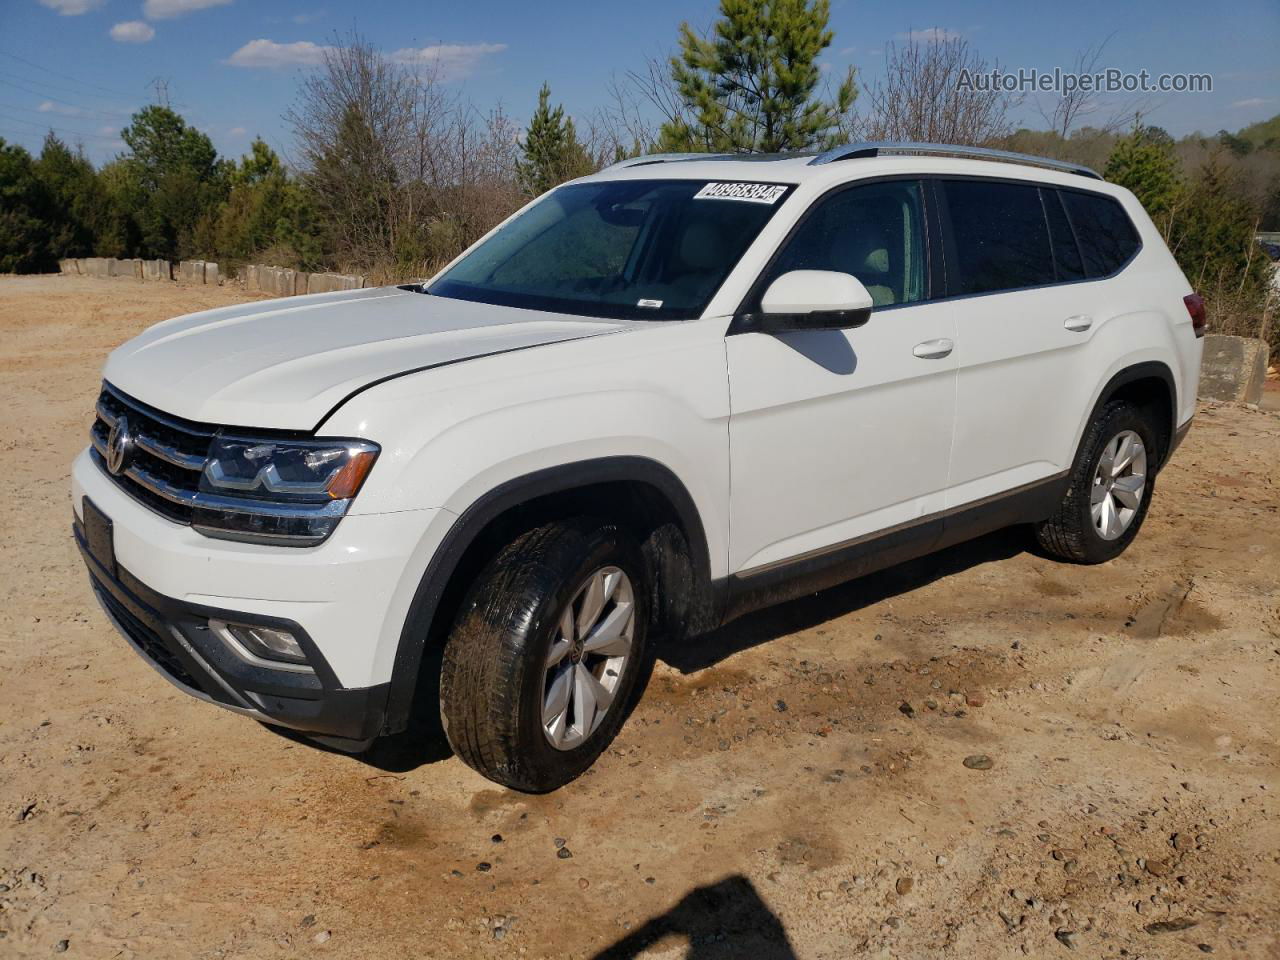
286	364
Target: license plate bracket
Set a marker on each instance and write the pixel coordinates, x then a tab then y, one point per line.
99	536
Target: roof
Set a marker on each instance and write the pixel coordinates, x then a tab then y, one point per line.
851	161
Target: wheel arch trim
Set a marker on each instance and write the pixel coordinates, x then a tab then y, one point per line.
471	522
1143	370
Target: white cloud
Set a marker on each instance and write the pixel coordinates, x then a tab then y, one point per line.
72	8
304	18
237	131
132	31
168	9
68	110
48	106
1251	102
268	54
452	61
931	35
108	130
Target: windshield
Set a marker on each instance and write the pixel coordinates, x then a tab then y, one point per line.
624	249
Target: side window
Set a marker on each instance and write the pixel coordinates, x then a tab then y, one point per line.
1107	236
1066	254
1001	239
875	232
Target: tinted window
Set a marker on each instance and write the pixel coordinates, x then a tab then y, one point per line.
644	249
1001	238
1107	237
1066	254
875	232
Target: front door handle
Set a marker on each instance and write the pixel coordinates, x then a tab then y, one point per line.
1078	324
934	349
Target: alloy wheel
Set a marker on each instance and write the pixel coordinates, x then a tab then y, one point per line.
1119	483
589	653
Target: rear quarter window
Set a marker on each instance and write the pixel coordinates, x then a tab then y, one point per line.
1107	236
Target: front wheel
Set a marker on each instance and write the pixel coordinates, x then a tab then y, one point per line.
543	660
1111	486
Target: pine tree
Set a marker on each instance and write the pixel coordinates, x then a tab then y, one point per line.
77	201
1213	235
1145	163
750	85
24	207
551	153
178	177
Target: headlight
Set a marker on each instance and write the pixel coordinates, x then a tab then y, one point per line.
279	491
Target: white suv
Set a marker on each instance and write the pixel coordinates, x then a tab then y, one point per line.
652	400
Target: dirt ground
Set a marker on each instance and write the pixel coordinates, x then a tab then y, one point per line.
793	786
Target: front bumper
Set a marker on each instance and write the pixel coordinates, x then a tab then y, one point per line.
174	637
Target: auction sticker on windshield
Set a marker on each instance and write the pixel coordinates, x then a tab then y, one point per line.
750	192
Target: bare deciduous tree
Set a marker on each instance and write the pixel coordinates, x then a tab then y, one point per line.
922	97
406	175
1070	106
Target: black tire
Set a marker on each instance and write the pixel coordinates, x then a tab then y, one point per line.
492	677
1070	534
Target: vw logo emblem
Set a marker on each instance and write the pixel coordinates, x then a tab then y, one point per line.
119	446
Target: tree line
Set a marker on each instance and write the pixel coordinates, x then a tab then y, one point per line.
395	174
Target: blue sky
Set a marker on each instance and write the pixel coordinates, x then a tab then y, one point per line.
232	66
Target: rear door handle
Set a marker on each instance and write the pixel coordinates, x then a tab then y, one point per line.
1078	324
934	349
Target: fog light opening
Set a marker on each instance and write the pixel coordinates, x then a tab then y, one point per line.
261	645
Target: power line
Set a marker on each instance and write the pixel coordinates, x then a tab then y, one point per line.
65	76
45	85
65	103
62	130
60	117
90	115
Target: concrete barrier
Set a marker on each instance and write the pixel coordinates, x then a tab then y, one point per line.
286	282
320	283
1233	368
124	268
331	282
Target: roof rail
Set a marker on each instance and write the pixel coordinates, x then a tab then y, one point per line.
661	158
854	151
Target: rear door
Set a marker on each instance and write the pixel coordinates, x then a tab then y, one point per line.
836	435
1022	320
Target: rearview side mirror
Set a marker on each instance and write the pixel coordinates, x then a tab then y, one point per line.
812	300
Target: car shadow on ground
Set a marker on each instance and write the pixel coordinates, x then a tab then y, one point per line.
422	743
752	630
724	919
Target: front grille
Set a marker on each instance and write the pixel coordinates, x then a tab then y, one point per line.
151	645
168	454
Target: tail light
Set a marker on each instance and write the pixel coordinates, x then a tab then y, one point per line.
1195	307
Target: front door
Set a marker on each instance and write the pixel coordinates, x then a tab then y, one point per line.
837	435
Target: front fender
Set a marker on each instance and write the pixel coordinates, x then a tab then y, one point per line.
471	439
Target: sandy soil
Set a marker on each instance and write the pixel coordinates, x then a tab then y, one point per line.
792	786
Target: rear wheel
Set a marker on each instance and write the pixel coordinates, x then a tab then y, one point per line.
1111	486
542	663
